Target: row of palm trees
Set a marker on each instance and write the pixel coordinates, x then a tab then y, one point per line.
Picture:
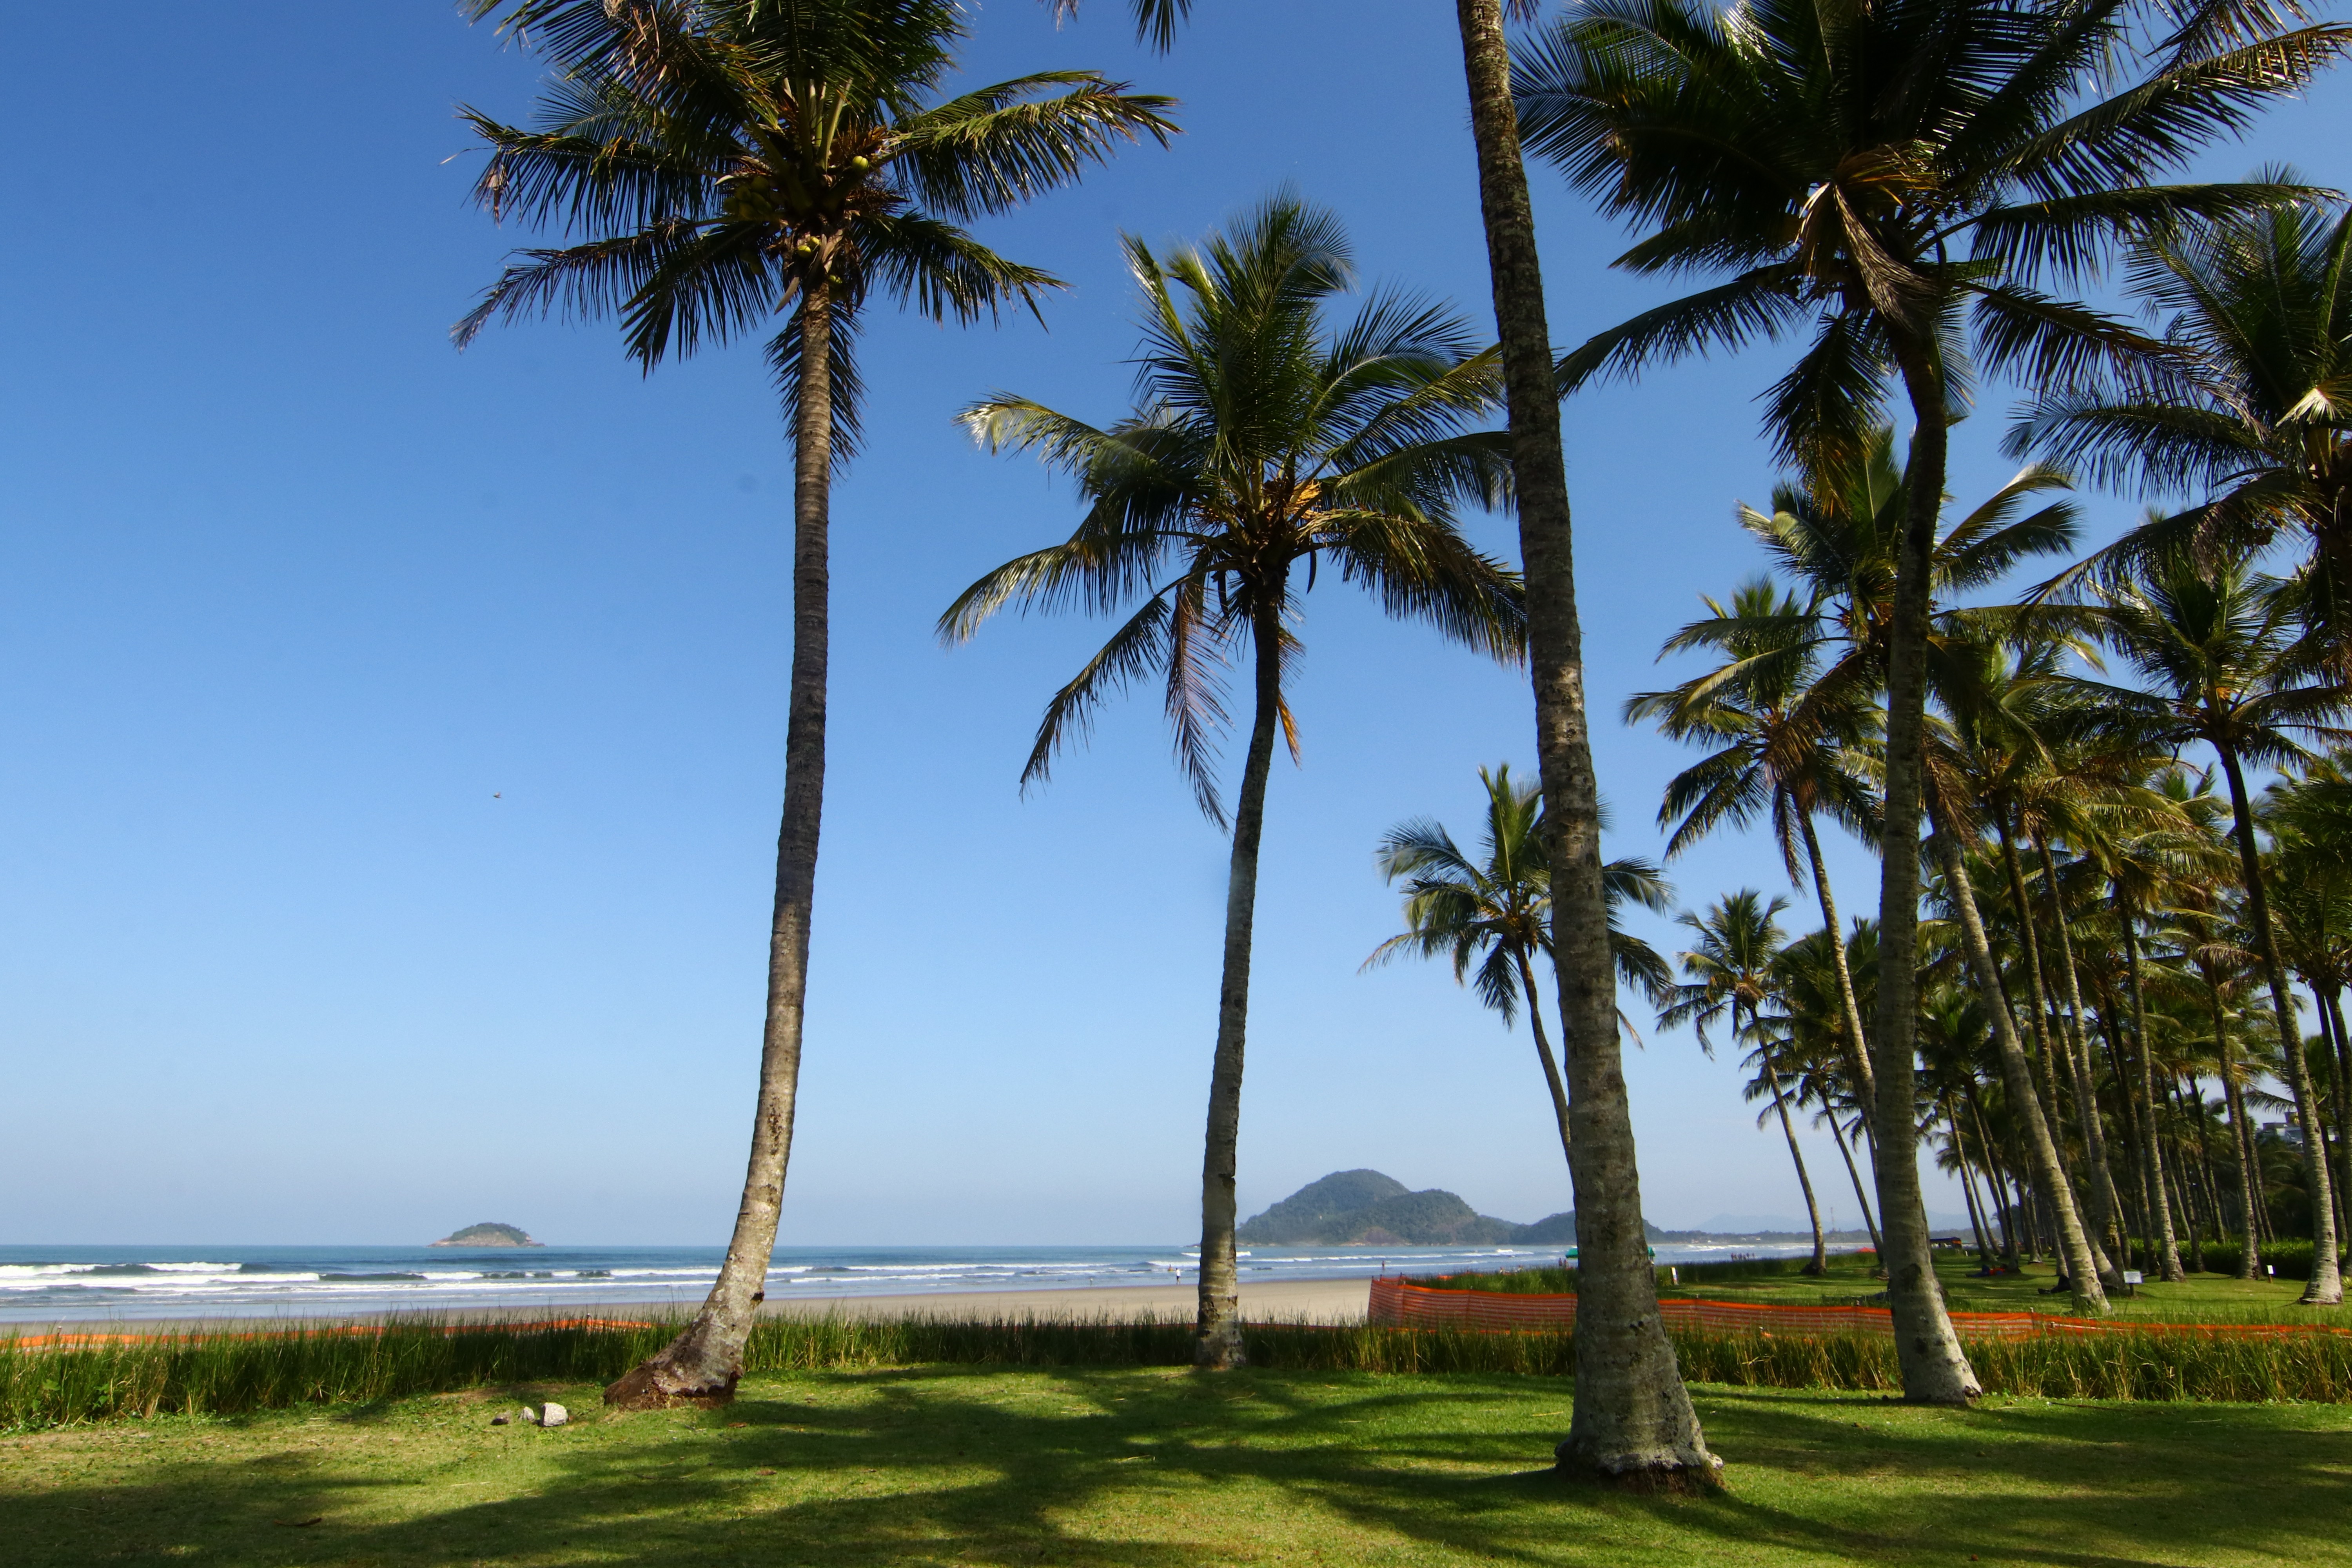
2073	853
730	166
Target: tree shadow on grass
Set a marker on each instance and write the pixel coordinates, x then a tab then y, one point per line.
2071	1485
1154	1469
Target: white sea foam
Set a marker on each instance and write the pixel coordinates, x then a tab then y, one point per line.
90	1283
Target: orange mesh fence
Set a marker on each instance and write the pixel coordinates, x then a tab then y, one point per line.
1398	1302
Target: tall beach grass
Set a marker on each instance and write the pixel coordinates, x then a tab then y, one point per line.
223	1373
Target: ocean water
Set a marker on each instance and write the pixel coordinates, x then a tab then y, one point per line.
94	1284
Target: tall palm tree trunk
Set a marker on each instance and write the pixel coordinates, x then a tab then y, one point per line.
2133	1193
1543	1053
1858	1038
2331	1004
1633	1416
2333	1101
2003	1208
2195	1172
1969	1187
1935	1369
2017	1076
2078	1053
2326	1287
2040	1015
702	1364
1855	1176
2168	1253
2233	1102
1820	1259
1217	1335
1796	1155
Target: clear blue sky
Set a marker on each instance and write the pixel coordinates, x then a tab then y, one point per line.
391	740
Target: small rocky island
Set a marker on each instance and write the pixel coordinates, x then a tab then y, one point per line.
1365	1208
489	1233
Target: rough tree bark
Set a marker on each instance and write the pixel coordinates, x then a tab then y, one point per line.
702	1365
1633	1420
1935	1369
2326	1287
1217	1333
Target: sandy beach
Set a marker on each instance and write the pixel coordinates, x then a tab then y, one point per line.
1279	1300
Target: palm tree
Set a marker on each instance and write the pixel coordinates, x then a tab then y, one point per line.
1949	846
730	162
1834	159
1953	1034
2224	970
2310	820
1264	444
1770	1055
2214	642
1838	530
1497	911
2141	869
1632	1421
1778	753
1733	970
2022	750
1813	973
2251	409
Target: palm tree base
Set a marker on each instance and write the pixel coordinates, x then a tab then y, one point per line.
1219	1348
653	1385
1653	1477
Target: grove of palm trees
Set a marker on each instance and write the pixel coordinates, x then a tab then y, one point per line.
2051	778
2033	815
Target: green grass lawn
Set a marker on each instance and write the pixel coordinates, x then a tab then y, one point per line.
2203	1297
1155	1468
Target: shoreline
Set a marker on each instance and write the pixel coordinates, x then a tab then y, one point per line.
1321	1301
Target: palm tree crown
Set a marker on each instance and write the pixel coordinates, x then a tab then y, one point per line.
1263	445
1496	910
1835	158
1730	966
2252	410
2213	643
730	159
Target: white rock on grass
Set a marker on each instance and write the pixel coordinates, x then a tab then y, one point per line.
554	1416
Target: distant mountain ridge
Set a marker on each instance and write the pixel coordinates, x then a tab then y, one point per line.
1366	1208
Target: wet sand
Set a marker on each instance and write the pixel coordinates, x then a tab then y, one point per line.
1279	1300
